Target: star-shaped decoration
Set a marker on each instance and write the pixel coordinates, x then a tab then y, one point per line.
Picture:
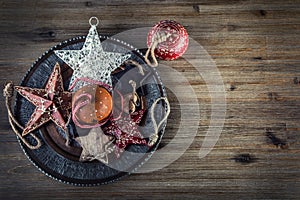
125	130
95	146
52	103
91	61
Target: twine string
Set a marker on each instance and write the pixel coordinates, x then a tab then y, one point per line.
8	93
138	65
159	38
154	136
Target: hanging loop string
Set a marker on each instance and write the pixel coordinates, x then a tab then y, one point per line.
94	21
158	38
136	64
8	93
154	136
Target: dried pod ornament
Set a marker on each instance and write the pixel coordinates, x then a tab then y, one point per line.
135	100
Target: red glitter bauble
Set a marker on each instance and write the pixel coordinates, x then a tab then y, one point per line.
175	45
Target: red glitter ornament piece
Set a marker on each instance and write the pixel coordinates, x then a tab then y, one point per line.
176	41
125	130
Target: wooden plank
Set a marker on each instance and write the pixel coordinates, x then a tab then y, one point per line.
256	47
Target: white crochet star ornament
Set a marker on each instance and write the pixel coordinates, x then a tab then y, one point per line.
91	61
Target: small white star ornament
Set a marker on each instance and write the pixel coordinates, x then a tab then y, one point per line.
95	146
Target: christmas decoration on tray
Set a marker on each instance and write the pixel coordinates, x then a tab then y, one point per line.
52	103
92	104
111	119
95	146
126	132
95	107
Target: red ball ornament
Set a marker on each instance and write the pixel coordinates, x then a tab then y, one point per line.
172	39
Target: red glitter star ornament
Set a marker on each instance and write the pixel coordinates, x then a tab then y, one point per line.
125	130
52	103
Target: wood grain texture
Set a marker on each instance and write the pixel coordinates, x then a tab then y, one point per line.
256	47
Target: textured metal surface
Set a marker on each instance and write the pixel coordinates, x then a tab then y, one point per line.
52	161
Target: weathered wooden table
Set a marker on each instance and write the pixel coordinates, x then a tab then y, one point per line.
254	44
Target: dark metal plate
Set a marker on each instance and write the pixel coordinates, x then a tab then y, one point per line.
61	162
